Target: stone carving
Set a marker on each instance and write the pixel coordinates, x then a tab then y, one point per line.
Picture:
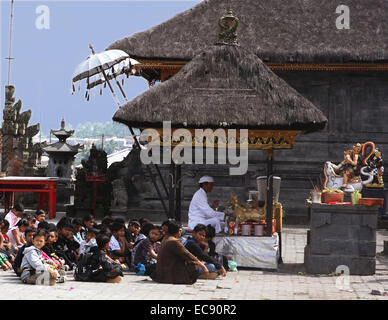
228	24
120	197
9	99
362	159
95	165
16	165
17	138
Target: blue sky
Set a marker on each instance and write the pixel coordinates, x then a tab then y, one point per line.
45	59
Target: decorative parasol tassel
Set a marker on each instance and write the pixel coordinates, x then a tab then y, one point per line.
73	87
122	81
104	84
100	91
86	94
79	87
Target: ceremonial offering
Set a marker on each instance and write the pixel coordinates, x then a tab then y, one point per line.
371	202
332	195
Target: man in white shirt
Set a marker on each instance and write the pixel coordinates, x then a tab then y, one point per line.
13	216
200	211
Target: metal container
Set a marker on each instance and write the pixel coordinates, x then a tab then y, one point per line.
262	188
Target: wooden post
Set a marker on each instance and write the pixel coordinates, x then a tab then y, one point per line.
161	179
52	200
269	192
171	193
94	198
178	193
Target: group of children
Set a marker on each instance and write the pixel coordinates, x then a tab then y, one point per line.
40	252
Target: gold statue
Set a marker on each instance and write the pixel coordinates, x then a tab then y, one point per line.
244	214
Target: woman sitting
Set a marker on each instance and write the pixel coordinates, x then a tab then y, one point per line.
175	264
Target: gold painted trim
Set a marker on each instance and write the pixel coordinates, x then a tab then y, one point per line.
257	139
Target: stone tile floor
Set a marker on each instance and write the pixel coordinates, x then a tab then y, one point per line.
288	283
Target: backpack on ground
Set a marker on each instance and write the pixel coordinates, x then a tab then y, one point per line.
83	269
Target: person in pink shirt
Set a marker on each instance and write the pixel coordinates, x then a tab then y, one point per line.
13	216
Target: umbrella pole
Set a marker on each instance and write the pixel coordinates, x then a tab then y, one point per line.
110	87
121	89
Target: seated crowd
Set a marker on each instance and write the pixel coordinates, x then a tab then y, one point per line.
40	252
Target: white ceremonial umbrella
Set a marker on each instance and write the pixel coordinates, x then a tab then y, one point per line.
101	67
124	67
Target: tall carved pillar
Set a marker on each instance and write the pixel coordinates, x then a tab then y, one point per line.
18	154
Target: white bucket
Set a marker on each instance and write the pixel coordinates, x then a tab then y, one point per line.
259	229
246	229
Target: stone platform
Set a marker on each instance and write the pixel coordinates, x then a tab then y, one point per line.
341	235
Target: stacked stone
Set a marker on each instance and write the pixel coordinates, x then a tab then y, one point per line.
341	235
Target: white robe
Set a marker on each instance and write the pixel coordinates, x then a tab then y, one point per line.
201	212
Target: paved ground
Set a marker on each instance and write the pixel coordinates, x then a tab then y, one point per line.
288	283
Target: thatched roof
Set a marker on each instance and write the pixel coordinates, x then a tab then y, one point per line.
224	86
275	30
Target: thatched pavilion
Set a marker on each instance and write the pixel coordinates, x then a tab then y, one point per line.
227	87
342	71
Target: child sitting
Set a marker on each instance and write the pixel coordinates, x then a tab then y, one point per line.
19	257
144	231
16	234
103	268
40	215
89	242
133	232
34	270
146	250
30	218
4	256
48	248
77	227
211	248
88	222
7	248
66	247
195	245
119	248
